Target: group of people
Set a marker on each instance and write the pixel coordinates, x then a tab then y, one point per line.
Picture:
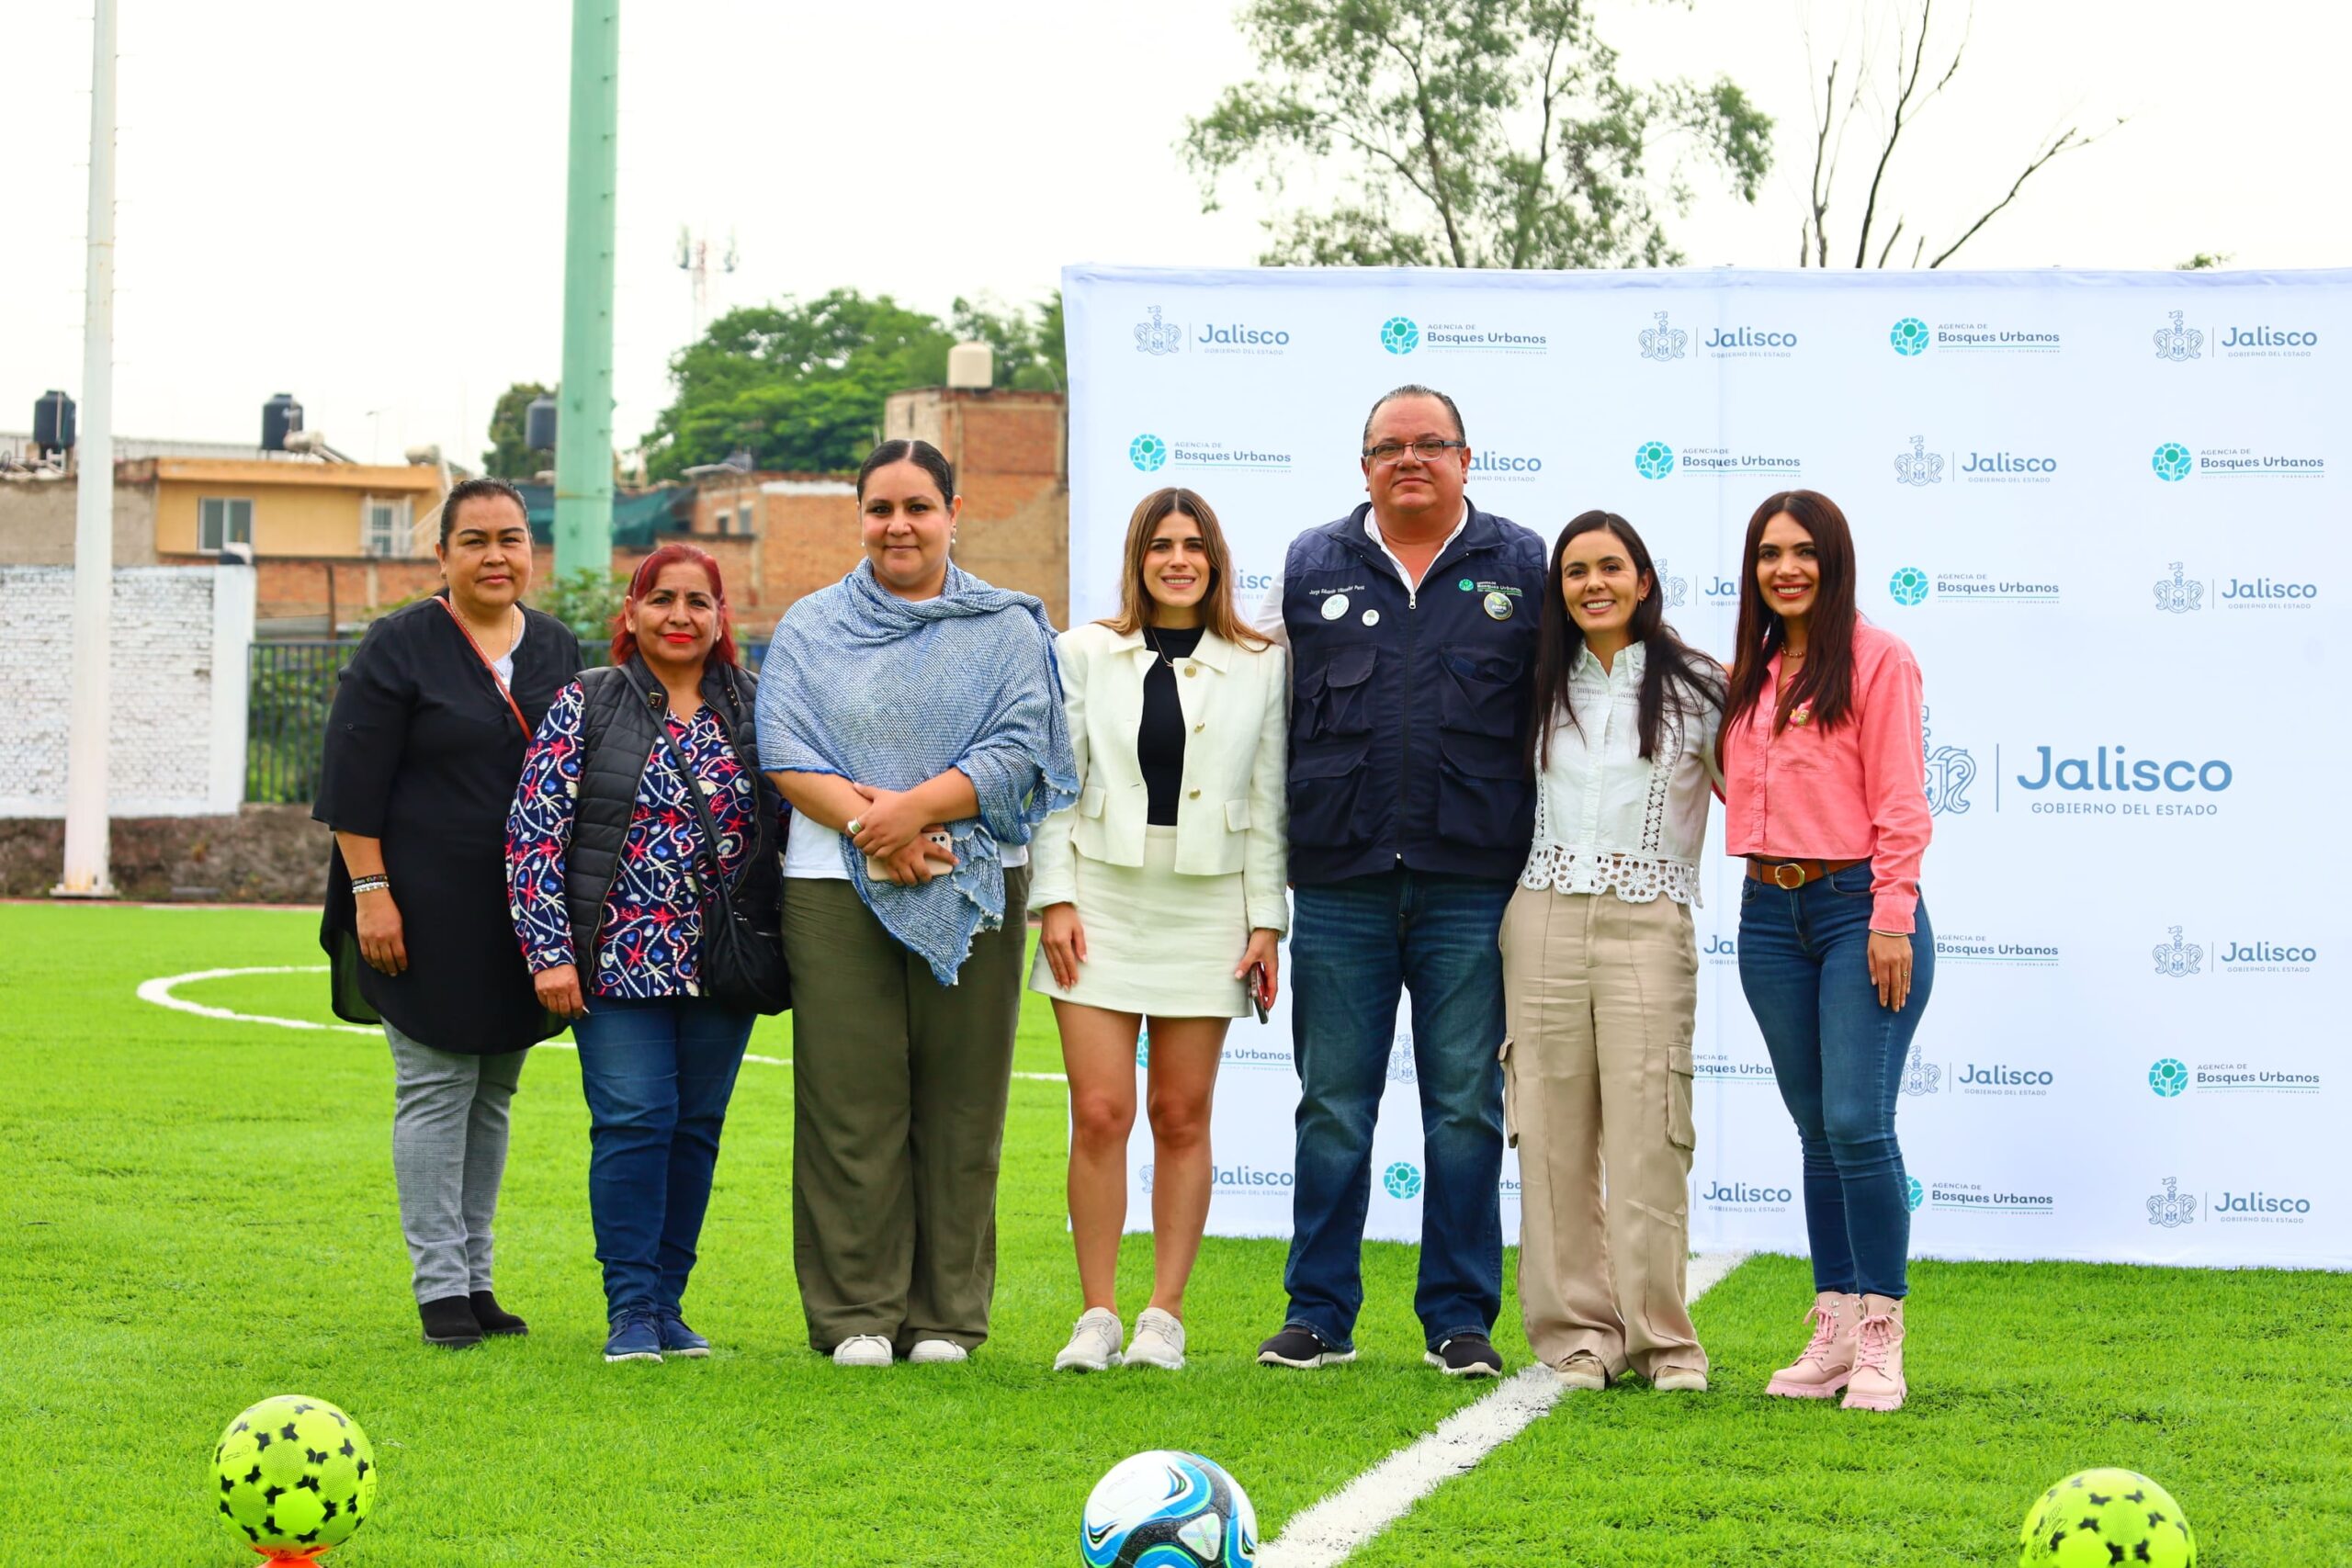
1445	764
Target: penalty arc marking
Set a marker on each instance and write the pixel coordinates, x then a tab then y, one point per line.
160	992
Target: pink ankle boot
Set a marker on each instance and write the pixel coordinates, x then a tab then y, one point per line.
1828	1360
1877	1383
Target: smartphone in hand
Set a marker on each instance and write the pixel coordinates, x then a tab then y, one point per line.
943	844
1256	980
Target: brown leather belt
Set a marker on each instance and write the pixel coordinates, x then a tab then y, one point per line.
1794	873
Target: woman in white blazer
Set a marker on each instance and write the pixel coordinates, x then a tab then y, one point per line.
1163	894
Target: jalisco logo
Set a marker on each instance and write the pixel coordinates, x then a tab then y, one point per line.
1742	1194
1950	770
2167	1076
2180	775
2179	596
2174	461
1241	1180
1750	343
1674	589
1150	453
1920	1077
1156	337
1663	342
1919	467
1909	336
1506	467
2172	1208
2179	959
2179	343
1401	1067
1400	335
1402	1179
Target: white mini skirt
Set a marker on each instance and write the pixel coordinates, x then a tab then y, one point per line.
1158	942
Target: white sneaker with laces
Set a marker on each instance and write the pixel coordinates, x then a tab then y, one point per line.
1158	1341
1093	1343
934	1352
863	1350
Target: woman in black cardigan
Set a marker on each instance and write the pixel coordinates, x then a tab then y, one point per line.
424	748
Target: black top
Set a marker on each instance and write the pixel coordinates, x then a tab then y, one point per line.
423	752
1159	739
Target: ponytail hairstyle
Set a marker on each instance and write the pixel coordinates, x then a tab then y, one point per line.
921	454
1827	680
1675	676
640	584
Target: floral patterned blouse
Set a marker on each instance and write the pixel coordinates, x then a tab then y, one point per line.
649	943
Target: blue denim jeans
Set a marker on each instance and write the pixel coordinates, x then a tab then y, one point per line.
1355	945
658	1074
1838	1056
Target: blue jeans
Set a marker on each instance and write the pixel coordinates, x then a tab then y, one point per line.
658	1074
1355	945
1838	1056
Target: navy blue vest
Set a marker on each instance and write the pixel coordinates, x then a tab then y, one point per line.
1408	709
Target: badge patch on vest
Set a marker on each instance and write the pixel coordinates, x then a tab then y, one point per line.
1498	606
1335	606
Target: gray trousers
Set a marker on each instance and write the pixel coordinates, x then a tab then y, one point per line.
448	1156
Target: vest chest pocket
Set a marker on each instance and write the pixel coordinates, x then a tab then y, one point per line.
1481	694
1339	696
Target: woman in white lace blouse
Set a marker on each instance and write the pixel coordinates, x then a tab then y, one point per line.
1601	970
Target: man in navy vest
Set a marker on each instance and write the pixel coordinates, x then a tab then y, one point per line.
1411	625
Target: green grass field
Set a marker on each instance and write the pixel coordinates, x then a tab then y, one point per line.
199	1213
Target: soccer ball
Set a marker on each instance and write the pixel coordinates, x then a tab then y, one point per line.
2098	1517
1163	1509
294	1476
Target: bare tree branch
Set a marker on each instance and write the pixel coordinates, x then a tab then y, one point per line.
2071	139
1905	87
1889	243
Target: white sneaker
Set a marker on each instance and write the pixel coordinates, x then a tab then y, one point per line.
932	1352
863	1350
1093	1343
1158	1341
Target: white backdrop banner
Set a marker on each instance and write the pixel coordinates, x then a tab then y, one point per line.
2107	511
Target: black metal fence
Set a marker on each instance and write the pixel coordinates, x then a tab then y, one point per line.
290	686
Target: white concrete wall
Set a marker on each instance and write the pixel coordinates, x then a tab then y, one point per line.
176	744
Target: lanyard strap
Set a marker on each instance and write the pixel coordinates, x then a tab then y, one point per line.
495	679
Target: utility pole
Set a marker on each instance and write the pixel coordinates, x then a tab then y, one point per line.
584	447
87	804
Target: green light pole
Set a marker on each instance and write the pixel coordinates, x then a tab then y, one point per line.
583	442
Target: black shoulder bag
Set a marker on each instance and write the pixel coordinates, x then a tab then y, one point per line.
742	966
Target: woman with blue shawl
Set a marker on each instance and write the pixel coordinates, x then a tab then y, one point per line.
912	717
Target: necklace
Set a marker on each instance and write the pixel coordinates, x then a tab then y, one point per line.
1157	649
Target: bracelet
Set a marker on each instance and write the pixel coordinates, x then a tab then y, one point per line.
370	885
1875	931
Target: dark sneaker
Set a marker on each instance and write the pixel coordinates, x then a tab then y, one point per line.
1466	1356
677	1339
449	1323
1300	1347
493	1318
636	1338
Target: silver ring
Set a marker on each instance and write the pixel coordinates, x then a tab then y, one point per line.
853	828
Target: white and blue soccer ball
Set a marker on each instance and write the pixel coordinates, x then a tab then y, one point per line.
1164	1509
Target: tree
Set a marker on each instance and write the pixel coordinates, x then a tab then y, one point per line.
508	458
2205	261
1488	133
1911	86
801	387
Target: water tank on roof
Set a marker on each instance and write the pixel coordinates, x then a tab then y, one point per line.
971	367
280	417
54	422
538	423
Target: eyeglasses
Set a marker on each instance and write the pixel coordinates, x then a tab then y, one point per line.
1388	452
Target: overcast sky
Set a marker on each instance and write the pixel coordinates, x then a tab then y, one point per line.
362	205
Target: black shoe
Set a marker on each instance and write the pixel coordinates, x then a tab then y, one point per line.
1300	1347
449	1323
1466	1356
493	1318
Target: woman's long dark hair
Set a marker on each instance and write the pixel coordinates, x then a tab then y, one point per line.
1827	681
1672	671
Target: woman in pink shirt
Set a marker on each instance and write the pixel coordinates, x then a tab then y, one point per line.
1825	798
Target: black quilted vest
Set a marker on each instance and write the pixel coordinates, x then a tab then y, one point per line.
621	708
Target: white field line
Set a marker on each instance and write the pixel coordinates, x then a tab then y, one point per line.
1327	1533
159	991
